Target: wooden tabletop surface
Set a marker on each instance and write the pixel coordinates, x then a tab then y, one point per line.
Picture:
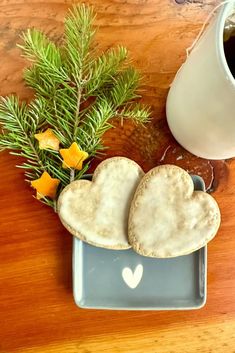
37	311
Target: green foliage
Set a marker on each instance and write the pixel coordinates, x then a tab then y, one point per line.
77	93
79	33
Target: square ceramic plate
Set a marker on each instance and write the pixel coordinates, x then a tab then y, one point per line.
124	280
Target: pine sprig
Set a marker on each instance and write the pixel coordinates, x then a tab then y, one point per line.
20	122
103	70
79	33
18	132
135	111
96	123
45	55
77	93
125	86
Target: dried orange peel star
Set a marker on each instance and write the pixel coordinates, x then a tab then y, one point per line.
48	140
73	157
45	186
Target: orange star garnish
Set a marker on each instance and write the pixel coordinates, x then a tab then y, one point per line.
47	139
45	186
73	157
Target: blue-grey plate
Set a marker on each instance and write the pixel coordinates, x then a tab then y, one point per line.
124	280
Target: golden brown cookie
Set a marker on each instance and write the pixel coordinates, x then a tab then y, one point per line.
97	211
168	218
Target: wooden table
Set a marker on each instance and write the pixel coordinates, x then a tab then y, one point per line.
38	313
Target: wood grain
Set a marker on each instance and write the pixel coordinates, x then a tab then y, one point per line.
37	312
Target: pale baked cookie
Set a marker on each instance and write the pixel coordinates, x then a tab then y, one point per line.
168	218
97	211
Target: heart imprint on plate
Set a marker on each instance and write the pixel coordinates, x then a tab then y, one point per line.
97	211
132	279
168	218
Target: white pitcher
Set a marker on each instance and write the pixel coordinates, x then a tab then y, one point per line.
201	102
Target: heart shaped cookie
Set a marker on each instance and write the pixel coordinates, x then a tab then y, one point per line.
97	211
168	218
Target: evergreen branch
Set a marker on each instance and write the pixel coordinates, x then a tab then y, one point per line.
90	144
78	37
125	86
61	174
79	33
45	55
104	68
12	114
37	113
36	79
20	122
135	111
97	120
96	123
7	143
77	93
14	119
